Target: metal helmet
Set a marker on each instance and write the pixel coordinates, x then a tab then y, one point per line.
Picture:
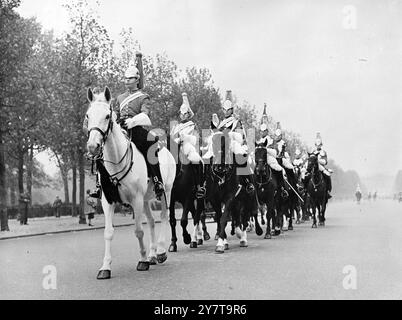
278	131
318	140
185	107
228	103
263	127
132	72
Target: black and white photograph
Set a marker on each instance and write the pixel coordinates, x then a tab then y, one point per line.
218	151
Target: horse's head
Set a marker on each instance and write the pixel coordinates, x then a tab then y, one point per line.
312	163
99	119
260	160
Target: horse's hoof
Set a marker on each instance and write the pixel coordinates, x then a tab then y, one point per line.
206	236
226	246
152	261
162	257
277	232
219	249
216	237
193	244
297	221
314	226
290	228
104	274
200	242
186	238
173	247
243	244
143	266
248	229
232	232
267	236
259	231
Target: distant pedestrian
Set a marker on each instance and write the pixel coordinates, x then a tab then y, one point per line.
57	205
24	199
90	207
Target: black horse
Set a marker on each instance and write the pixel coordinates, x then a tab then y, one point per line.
267	189
227	196
302	206
317	190
184	192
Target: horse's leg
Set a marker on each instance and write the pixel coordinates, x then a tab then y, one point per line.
105	270
270	218
243	237
291	212
324	208
313	208
261	209
172	221
151	223
204	227
138	204
184	222
196	219
222	241
161	255
218	214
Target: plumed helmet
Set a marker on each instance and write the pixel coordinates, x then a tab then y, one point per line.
132	72
318	140
310	150
185	107
297	152
278	131
263	127
228	103
214	121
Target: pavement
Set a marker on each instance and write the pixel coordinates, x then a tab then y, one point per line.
53	225
357	255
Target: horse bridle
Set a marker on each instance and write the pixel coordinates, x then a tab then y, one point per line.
105	134
108	129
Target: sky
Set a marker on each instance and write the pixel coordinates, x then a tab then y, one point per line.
327	66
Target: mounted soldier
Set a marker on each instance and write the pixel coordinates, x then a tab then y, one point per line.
267	142
322	162
184	135
132	109
235	130
280	147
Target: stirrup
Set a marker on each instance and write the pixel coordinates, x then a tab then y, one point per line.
201	192
159	189
96	193
284	193
250	188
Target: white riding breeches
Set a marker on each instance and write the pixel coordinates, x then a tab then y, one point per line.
287	164
324	170
236	143
273	163
189	150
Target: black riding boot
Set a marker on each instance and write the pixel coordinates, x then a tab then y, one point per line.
157	179
97	193
281	181
199	173
329	185
247	182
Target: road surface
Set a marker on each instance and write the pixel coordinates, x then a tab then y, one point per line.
357	255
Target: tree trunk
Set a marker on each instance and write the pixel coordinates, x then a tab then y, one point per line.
74	196
81	167
29	173
64	175
3	209
20	182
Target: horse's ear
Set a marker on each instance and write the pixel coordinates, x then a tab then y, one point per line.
108	95
90	95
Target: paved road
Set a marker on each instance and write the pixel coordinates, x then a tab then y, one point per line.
301	264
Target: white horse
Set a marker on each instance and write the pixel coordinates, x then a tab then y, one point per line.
127	166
